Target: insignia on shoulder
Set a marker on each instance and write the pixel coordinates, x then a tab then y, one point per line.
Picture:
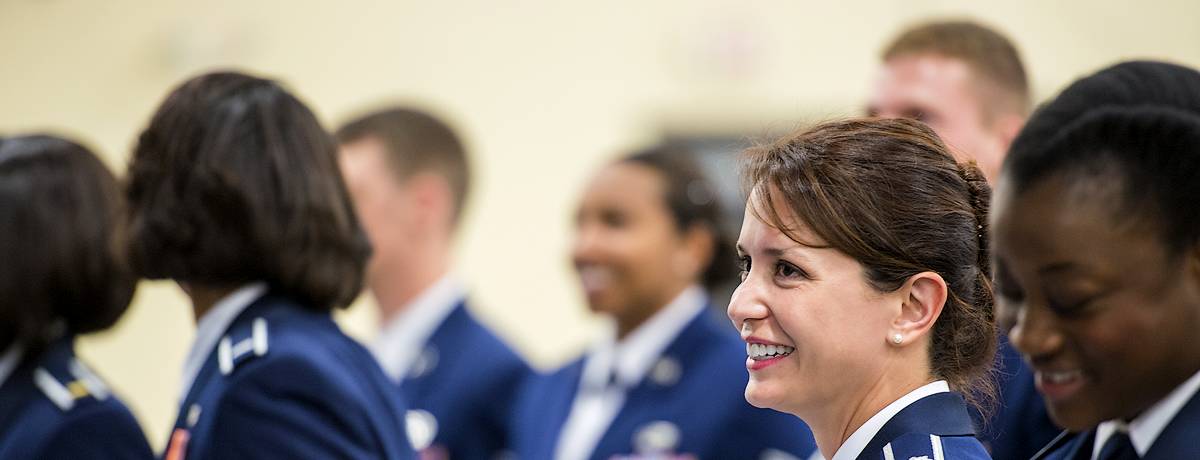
914	446
80	383
231	355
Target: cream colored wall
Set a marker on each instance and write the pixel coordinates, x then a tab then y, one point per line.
543	90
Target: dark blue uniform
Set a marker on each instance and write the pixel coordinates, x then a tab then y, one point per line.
286	383
703	412
53	407
934	427
1021	425
466	380
1179	440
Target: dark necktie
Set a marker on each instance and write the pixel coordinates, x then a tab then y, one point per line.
1118	447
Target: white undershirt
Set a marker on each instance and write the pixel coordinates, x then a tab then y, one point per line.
9	361
858	441
403	338
1144	429
212	326
596	403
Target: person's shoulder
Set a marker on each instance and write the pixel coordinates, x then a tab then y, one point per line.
75	412
492	354
931	446
283	349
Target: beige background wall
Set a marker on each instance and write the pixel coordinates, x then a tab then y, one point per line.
543	90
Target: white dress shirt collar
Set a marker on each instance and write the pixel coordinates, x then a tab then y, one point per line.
9	361
632	357
858	441
1144	429
212	326
403	338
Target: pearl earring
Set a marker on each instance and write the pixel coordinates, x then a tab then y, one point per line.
897	338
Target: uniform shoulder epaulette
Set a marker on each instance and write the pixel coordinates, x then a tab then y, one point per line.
921	446
242	345
65	387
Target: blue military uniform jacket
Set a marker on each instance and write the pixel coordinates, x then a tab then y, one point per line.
934	427
1179	440
286	383
466	380
702	412
53	407
1021	425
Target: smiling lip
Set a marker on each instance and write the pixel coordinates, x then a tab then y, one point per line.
1059	385
762	363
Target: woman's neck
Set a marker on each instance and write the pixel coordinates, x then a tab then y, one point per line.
204	297
634	317
842	418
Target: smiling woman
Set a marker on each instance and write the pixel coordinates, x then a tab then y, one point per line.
864	295
1098	260
666	381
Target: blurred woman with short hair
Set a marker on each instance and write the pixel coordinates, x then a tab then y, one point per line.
64	273
235	194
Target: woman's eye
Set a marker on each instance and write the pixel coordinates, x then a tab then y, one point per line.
789	271
1068	309
743	267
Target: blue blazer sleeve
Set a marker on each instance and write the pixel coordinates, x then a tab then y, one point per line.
289	409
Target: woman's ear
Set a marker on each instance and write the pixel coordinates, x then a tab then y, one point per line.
924	297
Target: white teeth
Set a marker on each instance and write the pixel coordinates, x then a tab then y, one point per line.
760	351
594	278
1060	377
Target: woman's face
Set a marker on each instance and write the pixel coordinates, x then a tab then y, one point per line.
1105	318
629	254
814	308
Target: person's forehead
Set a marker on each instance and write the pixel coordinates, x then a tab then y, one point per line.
923	77
625	181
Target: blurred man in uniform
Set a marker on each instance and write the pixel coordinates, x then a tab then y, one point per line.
964	80
409	177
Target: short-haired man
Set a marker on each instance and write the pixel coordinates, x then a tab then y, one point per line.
967	82
964	80
408	175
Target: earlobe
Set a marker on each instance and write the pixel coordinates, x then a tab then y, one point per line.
924	298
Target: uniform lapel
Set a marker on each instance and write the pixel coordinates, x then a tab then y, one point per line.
646	401
1181	437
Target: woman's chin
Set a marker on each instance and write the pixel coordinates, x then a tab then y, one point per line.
763	396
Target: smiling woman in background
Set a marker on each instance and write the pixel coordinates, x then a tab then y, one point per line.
1098	260
865	295
64	273
667	380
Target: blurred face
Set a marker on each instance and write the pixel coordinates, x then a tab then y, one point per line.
941	93
630	257
384	205
1105	319
822	326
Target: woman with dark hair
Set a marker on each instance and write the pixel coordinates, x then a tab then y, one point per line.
1098	261
64	274
665	381
865	301
235	194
